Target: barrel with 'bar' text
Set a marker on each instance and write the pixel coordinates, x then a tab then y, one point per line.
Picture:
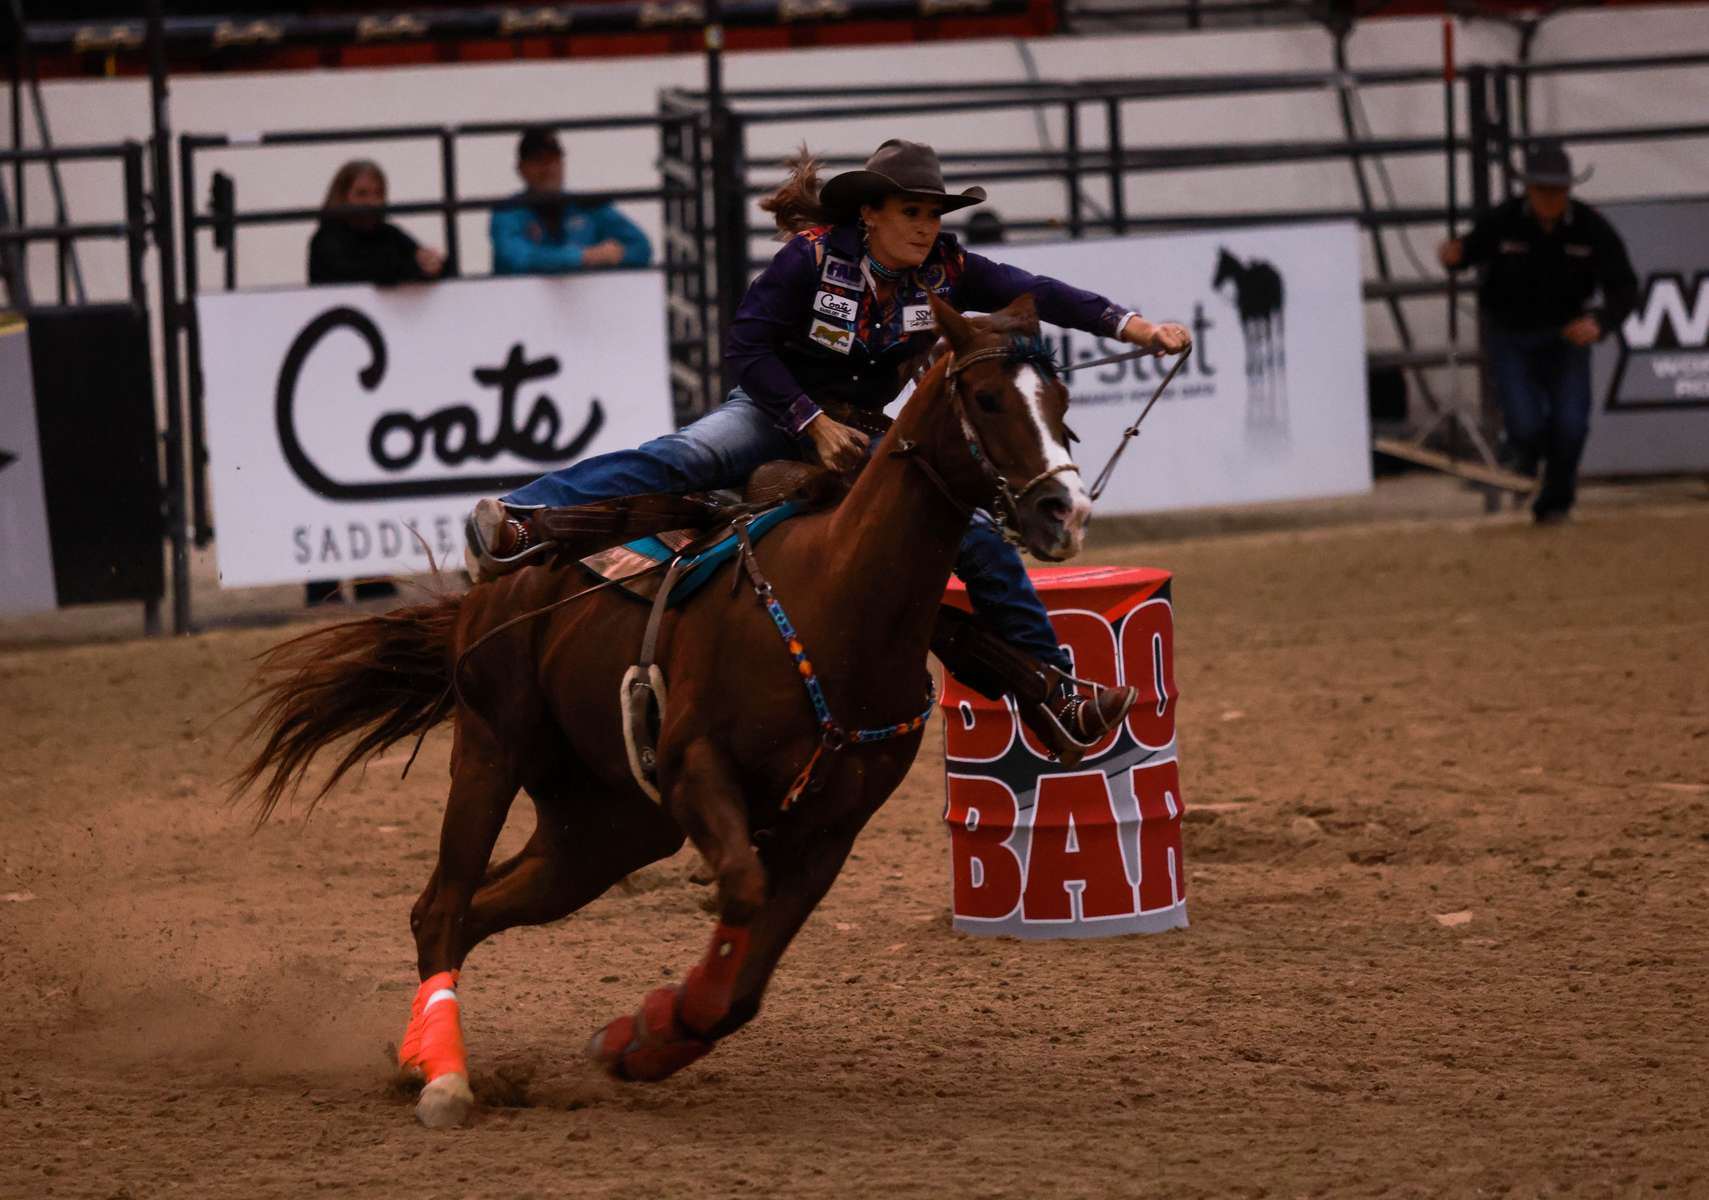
1043	851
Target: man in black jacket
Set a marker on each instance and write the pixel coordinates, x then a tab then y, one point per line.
1545	257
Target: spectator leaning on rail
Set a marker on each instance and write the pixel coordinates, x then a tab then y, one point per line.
365	247
541	231
1545	256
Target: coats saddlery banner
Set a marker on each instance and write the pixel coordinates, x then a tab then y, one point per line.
350	429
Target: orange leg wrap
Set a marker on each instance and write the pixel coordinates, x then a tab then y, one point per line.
433	1043
668	1032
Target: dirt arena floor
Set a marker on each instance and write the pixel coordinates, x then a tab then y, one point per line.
1448	840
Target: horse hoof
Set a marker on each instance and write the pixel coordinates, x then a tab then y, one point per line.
607	1046
445	1102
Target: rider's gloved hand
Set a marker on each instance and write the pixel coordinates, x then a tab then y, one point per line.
837	446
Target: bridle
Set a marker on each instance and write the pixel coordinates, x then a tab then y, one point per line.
1006	499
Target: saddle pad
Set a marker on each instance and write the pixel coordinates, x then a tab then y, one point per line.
625	560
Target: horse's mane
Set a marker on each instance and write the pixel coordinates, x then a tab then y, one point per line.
1027	345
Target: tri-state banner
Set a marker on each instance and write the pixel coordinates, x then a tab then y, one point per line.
350	429
1272	404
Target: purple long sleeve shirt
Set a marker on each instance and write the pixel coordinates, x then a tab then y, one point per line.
809	329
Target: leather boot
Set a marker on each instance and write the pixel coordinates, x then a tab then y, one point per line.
1063	718
1084	719
496	543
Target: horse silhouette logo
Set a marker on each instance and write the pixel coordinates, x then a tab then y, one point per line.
1258	298
831	336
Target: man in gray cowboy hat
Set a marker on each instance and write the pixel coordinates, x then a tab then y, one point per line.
1545	257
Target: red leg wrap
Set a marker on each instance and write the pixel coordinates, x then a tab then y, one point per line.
662	1047
666	1034
707	991
433	1043
650	1045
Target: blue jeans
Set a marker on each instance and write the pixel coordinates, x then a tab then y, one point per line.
722	449
1543	384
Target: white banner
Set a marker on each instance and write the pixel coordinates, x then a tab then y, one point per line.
345	421
26	555
1271	406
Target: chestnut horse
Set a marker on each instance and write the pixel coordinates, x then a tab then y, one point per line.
537	708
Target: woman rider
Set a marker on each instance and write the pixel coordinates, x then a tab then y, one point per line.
835	320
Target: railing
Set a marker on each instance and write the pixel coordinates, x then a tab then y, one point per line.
16	233
709	249
1493	96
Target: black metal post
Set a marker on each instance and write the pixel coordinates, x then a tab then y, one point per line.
1527	39
1071	147
448	186
1504	126
1483	89
200	519
17	66
1450	138
165	242
136	254
1477	93
727	230
136	226
729	193
230	194
732	221
705	281
17	255
1118	165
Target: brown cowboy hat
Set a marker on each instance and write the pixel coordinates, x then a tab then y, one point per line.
898	166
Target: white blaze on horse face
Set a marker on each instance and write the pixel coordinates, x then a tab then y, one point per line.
1030	384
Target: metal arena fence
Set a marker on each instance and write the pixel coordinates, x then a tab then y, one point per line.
708	180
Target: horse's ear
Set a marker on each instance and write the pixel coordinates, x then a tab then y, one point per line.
1022	311
957	328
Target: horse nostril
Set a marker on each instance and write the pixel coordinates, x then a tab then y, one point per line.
1055	509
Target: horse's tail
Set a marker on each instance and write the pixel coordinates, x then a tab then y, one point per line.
383	678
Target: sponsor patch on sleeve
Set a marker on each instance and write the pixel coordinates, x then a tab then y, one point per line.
843	308
826	334
842	272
